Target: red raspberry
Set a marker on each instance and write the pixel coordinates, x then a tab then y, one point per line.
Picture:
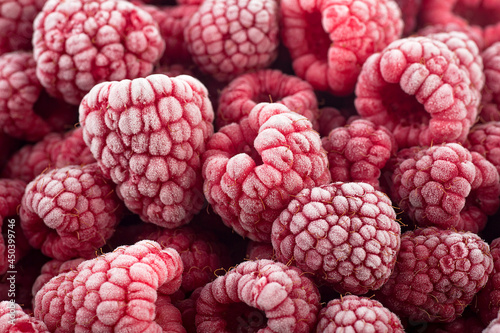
481	16
488	299
357	314
16	23
231	37
491	92
23	113
255	295
416	88
152	148
121	291
468	322
14	319
358	151
70	212
345	234
267	85
259	250
453	27
78	44
409	13
72	151
249	194
437	274
329	119
201	253
329	40
485	139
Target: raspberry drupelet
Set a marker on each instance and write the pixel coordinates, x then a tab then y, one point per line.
258	295
329	40
123	291
70	212
78	44
357	314
344	234
252	169
148	135
14	319
437	274
231	37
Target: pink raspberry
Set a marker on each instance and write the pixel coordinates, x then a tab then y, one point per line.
481	16
329	40
72	150
491	93
16	23
357	314
70	212
485	139
259	250
345	234
231	37
23	114
258	295
13	319
329	119
267	85
417	89
487	305
201	253
251	169
358	151
453	27
409	13
121	291
437	274
78	44
152	148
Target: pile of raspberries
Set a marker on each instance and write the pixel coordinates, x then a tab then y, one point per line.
250	166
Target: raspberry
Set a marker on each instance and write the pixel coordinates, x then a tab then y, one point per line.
14	319
453	27
329	119
72	151
200	252
409	13
172	22
16	23
255	295
70	212
485	139
357	314
187	307
330	40
437	274
152	150
258	250
22	114
481	16
491	91
78	44
251	169
467	322
488	299
345	234
358	151
228	38
247	90
416	88
119	291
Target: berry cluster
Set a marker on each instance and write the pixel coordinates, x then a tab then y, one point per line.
249	166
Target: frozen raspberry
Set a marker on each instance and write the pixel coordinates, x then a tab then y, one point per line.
329	40
258	295
267	85
201	253
78	44
23	115
481	16
357	314
16	23
453	27
121	291
358	151
409	13
416	88
329	119
252	169
345	234
259	250
152	149
172	22
72	151
437	274
70	212
485	139
491	92
13	319
228	38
